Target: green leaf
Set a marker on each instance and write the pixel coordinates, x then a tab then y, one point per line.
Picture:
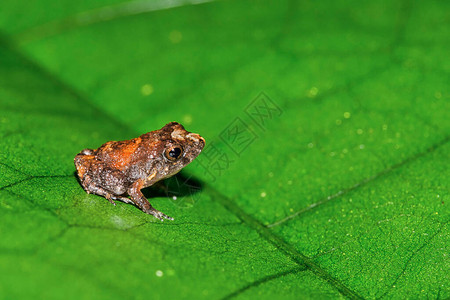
334	186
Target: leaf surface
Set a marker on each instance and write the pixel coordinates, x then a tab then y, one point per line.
326	168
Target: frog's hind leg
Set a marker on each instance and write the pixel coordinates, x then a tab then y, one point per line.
109	196
102	192
106	182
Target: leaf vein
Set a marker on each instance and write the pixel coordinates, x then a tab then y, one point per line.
363	182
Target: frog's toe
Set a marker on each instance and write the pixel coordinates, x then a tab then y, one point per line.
159	215
167	217
123	199
162	216
110	199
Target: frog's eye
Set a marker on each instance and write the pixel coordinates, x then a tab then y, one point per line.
173	153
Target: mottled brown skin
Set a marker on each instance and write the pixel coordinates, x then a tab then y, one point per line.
120	169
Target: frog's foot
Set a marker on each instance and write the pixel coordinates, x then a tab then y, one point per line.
92	189
109	197
158	214
123	199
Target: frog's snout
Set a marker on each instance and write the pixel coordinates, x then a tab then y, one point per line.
196	138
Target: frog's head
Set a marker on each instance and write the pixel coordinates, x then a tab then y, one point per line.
178	148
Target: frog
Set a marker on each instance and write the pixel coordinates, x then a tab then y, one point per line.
119	170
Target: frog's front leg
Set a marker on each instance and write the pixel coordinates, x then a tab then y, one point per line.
140	201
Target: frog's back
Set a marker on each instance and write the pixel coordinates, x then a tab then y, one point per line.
119	154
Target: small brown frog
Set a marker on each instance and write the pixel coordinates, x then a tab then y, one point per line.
118	169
